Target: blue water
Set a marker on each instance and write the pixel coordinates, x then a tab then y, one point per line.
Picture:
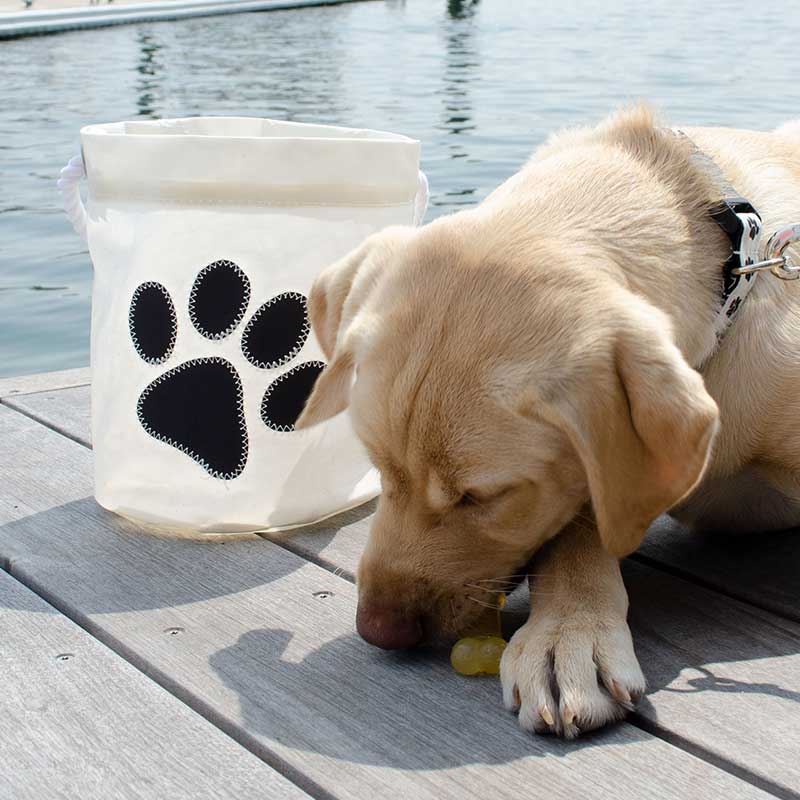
480	83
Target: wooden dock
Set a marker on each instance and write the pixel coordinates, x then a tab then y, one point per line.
136	666
55	16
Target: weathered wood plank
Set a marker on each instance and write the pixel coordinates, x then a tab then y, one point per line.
721	674
763	569
266	656
44	381
66	410
337	544
79	721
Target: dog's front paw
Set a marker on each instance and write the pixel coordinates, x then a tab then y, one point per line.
566	676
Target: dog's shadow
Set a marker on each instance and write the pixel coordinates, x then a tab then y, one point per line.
724	618
136	568
386	709
406	711
382	708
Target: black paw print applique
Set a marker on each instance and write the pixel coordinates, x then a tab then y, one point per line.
197	407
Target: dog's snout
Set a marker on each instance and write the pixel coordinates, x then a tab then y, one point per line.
389	628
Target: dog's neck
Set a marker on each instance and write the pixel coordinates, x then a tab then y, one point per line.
742	226
646	211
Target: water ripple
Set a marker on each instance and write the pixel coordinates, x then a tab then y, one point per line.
480	83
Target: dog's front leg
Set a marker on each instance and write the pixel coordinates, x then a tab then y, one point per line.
571	667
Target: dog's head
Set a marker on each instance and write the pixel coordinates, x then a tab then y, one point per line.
498	393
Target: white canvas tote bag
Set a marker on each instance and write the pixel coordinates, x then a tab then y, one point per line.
206	235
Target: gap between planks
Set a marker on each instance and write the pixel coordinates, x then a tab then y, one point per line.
99	722
44	382
192	701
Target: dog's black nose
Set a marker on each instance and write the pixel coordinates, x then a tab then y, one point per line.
388	628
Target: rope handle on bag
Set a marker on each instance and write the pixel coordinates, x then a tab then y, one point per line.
421	200
71	200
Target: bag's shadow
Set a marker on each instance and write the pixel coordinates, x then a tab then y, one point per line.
83	556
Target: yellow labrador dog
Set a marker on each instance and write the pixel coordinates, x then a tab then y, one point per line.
539	378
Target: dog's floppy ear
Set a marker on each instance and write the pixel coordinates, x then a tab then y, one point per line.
336	298
643	428
331	393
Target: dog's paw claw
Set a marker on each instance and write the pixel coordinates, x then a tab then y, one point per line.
621	694
544	713
550	676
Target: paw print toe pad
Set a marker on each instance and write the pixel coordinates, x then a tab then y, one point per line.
277	331
218	299
152	322
197	408
286	396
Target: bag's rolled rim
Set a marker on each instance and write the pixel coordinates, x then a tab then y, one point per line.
248	161
191	128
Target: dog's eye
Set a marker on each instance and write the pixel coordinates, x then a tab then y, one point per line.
483	498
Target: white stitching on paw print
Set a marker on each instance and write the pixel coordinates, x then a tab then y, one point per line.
302	336
197	407
196	288
153	385
137	344
283	428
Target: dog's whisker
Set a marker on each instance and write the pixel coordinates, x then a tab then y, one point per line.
491	585
506	577
500	588
481	603
485	589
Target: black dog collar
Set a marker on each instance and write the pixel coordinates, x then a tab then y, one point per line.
742	225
